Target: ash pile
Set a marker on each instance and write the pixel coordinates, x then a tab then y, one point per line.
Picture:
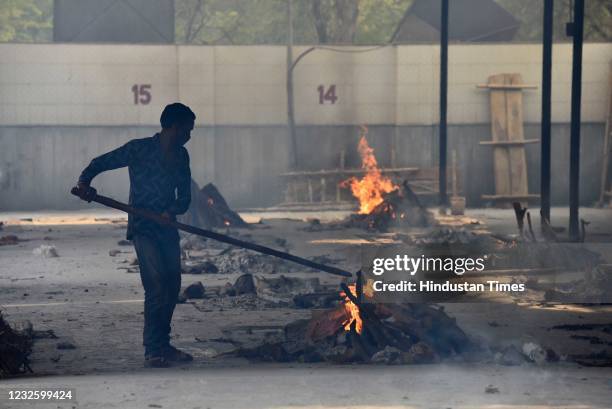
399	208
201	256
208	209
595	288
356	332
253	291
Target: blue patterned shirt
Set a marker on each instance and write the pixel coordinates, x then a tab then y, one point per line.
156	183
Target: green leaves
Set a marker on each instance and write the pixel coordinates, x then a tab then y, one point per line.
26	20
247	22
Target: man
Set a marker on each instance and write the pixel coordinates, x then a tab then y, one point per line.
160	181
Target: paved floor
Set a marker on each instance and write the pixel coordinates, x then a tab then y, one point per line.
86	298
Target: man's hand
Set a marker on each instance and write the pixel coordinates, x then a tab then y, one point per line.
86	192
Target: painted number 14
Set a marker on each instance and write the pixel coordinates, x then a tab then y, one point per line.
327	96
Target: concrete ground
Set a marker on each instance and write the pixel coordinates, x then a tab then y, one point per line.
89	301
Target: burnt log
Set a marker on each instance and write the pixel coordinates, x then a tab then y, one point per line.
326	324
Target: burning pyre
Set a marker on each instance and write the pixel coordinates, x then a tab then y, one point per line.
369	190
382	203
357	331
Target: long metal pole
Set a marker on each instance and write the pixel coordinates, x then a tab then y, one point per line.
107	201
293	157
547	42
574	199
443	101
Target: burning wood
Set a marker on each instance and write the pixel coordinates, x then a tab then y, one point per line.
367	332
369	190
382	203
399	208
352	311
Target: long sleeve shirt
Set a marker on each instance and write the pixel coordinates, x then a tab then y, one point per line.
156	183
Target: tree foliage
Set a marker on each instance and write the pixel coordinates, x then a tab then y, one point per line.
363	21
26	20
597	19
265	21
314	21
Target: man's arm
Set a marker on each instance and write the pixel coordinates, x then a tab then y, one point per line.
115	159
183	188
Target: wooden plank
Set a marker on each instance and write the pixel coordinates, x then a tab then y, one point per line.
499	131
515	87
507	143
528	196
518	161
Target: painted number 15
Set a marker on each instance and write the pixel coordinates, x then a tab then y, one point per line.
327	96
142	94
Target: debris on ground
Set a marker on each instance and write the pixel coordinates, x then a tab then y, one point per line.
205	267
315	225
510	356
124	243
65	345
11	239
130	269
491	389
114	252
43	334
284	289
193	242
448	236
46	250
243	285
195	290
534	353
324	299
15	349
601	359
596	287
200	257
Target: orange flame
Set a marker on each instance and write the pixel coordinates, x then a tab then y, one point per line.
352	311
370	188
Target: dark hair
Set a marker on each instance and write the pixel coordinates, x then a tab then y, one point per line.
176	113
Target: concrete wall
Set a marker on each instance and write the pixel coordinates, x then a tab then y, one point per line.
62	104
73	84
40	164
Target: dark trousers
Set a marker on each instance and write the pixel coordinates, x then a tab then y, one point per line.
160	271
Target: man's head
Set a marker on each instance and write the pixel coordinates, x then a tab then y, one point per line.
177	120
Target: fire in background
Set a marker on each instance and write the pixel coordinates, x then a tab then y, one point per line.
369	190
